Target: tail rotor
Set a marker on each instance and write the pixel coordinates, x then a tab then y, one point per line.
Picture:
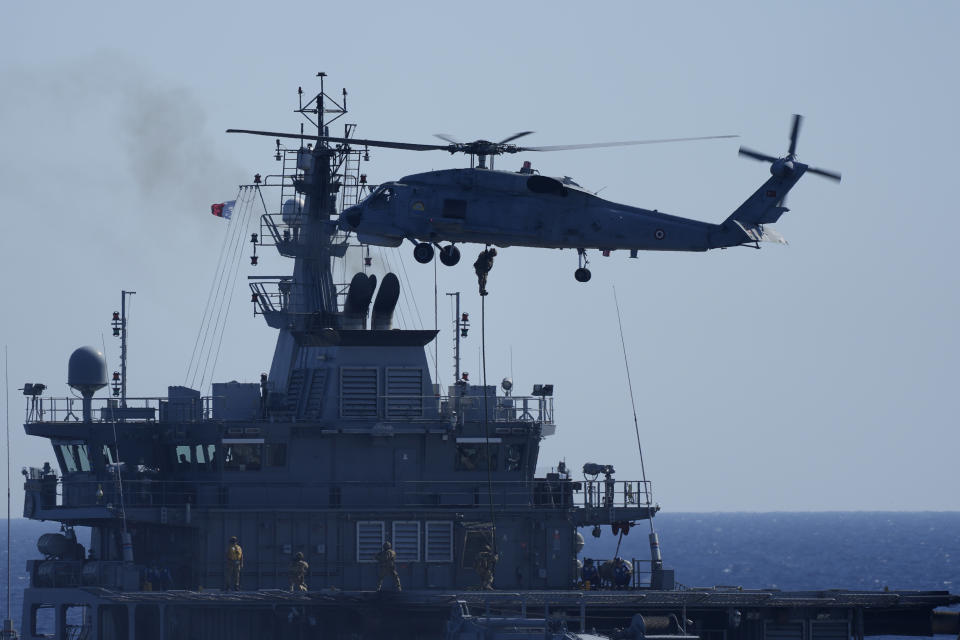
788	164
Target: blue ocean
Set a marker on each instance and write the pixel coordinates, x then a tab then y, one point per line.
851	550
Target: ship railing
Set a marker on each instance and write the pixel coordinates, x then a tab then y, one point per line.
285	232
537	409
638	576
599	494
143	487
107	410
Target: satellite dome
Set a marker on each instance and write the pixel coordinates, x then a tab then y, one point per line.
292	210
87	370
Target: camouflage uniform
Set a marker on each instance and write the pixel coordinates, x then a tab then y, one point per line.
485	564
482	266
298	573
234	564
387	566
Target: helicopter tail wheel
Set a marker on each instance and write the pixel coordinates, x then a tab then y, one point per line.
449	255
582	274
423	252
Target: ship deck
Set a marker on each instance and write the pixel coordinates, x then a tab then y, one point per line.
708	597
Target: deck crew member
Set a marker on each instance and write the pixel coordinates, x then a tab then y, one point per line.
591	577
298	573
485	564
387	566
234	565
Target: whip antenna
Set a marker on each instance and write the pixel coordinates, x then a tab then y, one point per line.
656	561
8	631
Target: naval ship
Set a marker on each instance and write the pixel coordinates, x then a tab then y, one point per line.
345	444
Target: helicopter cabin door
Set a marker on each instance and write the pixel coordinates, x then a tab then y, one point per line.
453	215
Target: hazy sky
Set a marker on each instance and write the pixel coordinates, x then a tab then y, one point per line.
817	375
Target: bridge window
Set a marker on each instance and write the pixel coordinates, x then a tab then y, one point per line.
206	457
513	460
473	456
242	455
75	457
184	456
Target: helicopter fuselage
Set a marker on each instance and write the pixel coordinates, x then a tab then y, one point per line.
520	209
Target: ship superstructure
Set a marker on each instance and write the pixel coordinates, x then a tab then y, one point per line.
347	443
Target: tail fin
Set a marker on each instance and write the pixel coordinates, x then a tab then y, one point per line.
765	206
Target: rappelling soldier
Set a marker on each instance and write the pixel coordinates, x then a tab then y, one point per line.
298	573
234	565
485	565
482	266
387	566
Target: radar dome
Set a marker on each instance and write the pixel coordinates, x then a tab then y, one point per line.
291	210
87	371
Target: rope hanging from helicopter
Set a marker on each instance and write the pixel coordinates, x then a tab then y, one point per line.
486	417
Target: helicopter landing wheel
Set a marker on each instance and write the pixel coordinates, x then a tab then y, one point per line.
449	255
582	274
423	252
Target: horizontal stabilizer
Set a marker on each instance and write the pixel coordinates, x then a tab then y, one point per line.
760	233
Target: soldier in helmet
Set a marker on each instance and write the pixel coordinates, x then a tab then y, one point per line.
234	565
484	565
298	573
387	566
482	266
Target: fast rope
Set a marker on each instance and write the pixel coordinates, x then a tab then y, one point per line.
483	265
633	404
6	386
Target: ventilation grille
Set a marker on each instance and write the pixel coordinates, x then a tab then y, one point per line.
404	392
358	392
406	541
439	542
369	540
788	631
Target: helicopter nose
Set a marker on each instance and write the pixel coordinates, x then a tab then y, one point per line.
352	216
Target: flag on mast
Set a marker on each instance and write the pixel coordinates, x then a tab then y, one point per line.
223	209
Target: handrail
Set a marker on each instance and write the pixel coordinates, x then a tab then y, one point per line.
391	409
106	410
147	489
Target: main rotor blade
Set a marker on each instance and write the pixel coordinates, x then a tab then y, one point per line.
756	155
515	136
446	136
625	143
833	175
797	119
353	141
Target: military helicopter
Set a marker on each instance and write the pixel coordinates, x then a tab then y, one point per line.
524	208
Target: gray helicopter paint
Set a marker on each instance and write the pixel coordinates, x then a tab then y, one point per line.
501	208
